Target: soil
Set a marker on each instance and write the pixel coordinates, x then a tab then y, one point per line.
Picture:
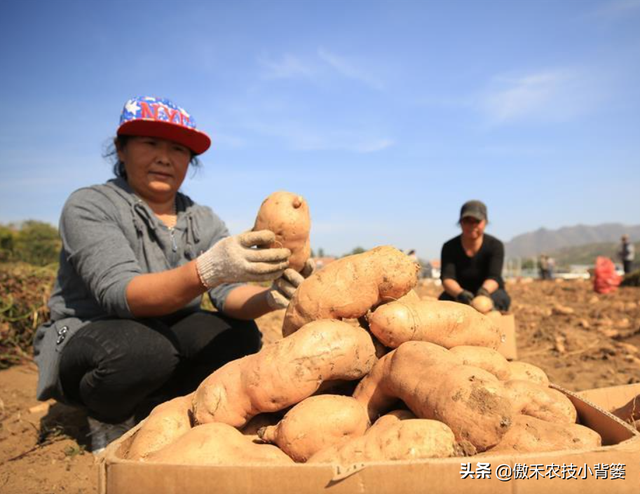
581	339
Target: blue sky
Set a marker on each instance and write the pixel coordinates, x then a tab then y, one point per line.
385	115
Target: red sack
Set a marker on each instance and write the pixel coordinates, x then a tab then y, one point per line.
605	278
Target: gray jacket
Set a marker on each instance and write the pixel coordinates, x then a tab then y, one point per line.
109	236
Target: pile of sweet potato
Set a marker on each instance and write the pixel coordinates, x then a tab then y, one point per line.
366	371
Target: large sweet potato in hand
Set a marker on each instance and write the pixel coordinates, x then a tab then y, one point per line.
287	215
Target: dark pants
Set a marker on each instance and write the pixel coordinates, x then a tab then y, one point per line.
501	299
115	367
627	266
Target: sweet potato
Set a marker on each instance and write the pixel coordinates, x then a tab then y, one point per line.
410	439
410	296
541	402
258	422
392	417
433	384
349	287
218	444
528	372
317	423
287	215
532	435
447	324
485	358
482	304
164	425
284	373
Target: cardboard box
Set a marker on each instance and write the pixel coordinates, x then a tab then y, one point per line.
508	348
621	446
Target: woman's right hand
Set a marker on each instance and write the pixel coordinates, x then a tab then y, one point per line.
464	297
234	259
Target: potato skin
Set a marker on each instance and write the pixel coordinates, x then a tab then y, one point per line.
434	384
486	358
218	444
316	423
408	439
532	435
541	402
349	287
287	215
528	372
448	324
164	425
284	373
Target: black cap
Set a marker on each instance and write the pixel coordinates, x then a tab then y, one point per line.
474	209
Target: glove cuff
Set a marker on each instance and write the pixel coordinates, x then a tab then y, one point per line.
208	270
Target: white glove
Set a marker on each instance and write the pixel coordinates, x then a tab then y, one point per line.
233	259
282	290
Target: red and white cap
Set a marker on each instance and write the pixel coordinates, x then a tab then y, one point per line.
147	116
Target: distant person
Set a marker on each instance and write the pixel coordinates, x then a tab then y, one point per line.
543	266
472	262
137	255
626	254
551	267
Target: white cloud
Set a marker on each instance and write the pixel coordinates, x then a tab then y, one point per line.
374	145
549	95
288	67
323	64
348	69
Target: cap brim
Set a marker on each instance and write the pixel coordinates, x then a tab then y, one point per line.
473	214
194	139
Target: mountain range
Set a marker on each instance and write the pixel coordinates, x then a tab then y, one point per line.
543	241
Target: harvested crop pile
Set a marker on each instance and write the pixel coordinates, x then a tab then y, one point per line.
594	345
439	389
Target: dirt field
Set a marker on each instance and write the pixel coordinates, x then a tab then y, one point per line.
582	340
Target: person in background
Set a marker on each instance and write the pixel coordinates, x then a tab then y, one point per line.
626	254
127	330
543	266
551	267
472	262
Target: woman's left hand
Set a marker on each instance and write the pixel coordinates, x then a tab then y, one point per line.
283	289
